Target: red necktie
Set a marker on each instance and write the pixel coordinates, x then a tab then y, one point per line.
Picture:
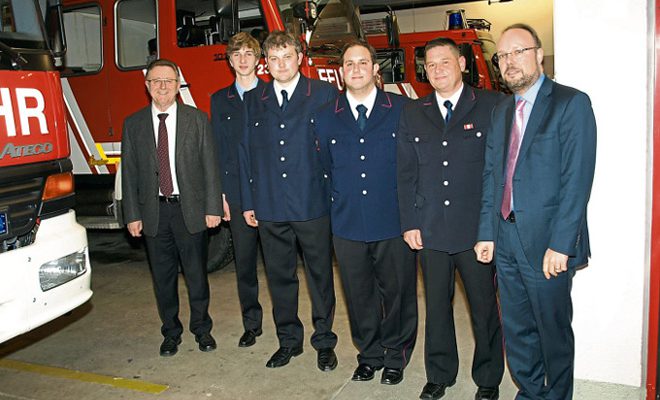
163	150
512	157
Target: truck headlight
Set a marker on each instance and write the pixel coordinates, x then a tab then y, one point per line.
57	272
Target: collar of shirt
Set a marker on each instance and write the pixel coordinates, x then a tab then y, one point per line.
241	91
530	97
171	111
453	98
290	88
368	102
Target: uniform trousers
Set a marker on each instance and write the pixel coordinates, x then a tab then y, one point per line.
380	282
536	316
278	241
440	352
245	240
173	244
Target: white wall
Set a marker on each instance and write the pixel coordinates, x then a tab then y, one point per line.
601	47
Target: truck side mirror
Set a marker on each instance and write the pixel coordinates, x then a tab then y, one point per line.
54	23
392	26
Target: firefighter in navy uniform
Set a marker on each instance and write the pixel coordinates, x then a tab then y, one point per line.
357	141
228	121
283	192
442	140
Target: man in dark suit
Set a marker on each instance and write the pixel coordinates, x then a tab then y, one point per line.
357	140
442	138
171	192
283	192
538	172
228	121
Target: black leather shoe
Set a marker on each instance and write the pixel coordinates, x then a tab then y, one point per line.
170	346
206	342
391	376
249	338
434	391
486	393
283	355
326	359
364	372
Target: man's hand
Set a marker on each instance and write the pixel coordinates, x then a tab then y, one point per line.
250	218
554	263
212	221
135	228
484	251
414	239
225	209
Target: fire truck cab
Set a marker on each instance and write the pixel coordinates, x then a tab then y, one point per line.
44	261
401	58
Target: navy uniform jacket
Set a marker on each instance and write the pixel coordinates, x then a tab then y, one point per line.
228	122
553	175
362	167
281	176
440	168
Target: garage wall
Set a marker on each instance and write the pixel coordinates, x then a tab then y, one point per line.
601	47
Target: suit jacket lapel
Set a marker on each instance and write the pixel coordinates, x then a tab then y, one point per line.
149	132
432	111
301	94
345	114
233	98
382	105
539	111
182	121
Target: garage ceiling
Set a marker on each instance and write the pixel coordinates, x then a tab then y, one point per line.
368	6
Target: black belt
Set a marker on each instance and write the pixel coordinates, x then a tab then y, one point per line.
511	218
169	199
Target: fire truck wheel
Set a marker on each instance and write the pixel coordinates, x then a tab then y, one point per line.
221	250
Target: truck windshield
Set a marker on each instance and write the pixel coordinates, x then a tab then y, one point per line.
21	25
338	22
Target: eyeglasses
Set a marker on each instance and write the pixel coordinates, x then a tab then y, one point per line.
515	54
161	81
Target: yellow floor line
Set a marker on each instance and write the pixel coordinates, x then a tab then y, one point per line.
132	384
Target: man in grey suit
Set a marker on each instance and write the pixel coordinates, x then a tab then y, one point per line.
539	167
171	192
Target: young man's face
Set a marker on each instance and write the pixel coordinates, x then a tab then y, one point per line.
244	61
283	63
358	70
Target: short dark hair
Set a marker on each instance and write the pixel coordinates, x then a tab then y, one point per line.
162	62
441	42
525	27
281	39
361	43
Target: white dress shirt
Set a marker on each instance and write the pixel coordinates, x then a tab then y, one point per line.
368	102
290	87
453	98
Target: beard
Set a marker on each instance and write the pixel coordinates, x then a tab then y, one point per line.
523	81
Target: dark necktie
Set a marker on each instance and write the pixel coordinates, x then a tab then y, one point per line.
512	157
448	106
285	100
163	151
362	116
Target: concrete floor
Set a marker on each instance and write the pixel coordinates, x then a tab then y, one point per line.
108	348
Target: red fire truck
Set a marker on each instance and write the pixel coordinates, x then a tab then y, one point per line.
110	43
402	59
44	262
